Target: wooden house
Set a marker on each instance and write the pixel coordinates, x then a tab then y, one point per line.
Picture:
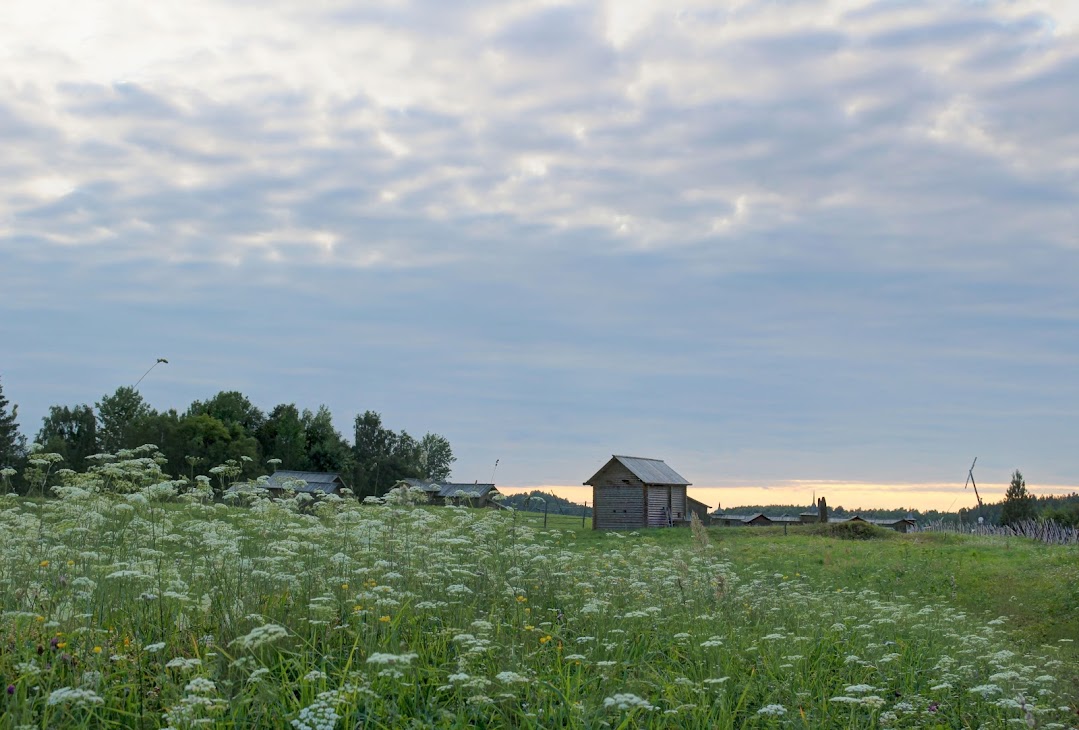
901	524
755	520
304	481
631	492
442	493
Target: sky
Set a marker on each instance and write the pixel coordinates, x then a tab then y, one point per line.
790	247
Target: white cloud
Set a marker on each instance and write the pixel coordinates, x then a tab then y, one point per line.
548	114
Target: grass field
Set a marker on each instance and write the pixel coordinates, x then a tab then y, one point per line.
147	610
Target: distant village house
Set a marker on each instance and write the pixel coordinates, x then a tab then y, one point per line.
457	493
309	482
902	524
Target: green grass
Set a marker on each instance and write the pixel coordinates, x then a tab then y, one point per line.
147	610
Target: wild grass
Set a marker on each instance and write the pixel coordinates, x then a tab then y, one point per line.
146	610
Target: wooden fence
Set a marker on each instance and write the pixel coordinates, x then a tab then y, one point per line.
1047	531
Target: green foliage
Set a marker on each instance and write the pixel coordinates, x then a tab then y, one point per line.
1064	513
213	442
283	437
1018	505
850	530
121	418
231	407
229	427
538	501
327	450
12	444
436	457
70	432
383	457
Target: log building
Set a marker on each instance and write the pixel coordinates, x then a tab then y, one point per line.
631	492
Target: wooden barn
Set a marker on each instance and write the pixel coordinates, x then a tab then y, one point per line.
631	492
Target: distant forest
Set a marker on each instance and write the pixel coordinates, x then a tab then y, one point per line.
228	428
537	501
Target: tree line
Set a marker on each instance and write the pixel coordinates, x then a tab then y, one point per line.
229	428
1019	505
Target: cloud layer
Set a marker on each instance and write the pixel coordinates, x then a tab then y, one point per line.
806	240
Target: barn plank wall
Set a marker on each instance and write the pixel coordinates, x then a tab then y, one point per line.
618	500
678	504
658	502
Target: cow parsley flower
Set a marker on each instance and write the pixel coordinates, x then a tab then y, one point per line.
260	636
627	702
397	659
74	696
772	710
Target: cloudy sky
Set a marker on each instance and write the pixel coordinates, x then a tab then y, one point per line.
801	245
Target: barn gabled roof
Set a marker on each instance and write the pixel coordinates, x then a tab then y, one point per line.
649	471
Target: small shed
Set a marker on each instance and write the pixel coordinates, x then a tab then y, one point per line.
696	507
304	481
630	492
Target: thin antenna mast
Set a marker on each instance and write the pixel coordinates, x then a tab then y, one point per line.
158	362
493	472
970	481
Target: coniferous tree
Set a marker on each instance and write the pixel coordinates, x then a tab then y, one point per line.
12	443
1018	504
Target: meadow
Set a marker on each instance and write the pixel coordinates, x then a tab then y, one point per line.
134	604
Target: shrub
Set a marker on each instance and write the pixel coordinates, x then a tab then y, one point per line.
852	531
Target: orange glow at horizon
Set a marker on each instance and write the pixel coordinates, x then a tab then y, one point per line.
849	495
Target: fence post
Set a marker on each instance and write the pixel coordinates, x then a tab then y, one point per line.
544	515
582	513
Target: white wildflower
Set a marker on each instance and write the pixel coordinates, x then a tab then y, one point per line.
627	702
397	659
74	696
260	636
772	710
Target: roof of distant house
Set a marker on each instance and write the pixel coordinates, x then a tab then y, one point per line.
472	491
314	481
469	490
